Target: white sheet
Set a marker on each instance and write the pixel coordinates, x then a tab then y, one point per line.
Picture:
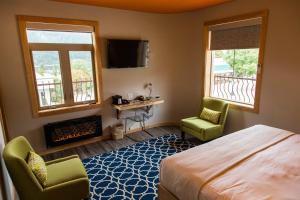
260	162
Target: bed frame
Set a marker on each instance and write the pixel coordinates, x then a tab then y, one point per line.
164	194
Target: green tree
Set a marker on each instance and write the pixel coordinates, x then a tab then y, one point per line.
81	70
41	70
243	61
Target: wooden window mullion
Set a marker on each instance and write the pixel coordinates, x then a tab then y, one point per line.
94	76
66	77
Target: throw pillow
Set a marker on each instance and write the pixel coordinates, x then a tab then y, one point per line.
37	165
210	115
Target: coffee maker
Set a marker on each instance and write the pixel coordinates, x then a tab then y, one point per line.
117	99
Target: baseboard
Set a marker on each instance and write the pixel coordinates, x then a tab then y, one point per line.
100	138
164	194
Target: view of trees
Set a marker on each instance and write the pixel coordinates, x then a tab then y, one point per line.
48	66
243	61
48	71
48	63
81	66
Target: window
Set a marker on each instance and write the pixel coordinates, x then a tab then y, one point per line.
234	56
62	64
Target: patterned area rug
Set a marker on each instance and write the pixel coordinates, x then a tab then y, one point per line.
131	172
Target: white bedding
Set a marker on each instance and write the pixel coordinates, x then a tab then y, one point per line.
260	162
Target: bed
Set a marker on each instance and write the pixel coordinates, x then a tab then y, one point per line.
259	162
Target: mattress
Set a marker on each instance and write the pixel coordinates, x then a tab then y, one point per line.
259	162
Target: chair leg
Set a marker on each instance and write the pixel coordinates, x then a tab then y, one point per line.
182	135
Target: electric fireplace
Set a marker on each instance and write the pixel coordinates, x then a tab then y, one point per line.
72	130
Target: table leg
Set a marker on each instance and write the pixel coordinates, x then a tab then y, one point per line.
118	114
125	126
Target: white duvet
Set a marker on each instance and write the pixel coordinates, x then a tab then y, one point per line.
260	162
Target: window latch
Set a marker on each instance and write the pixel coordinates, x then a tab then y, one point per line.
258	68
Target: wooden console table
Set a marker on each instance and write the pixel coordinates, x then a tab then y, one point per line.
137	104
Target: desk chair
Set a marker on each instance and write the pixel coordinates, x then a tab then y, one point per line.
140	116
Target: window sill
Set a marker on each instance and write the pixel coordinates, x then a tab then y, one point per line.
240	106
243	107
62	110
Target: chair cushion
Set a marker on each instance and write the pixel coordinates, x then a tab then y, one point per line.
197	124
64	171
37	164
210	115
200	128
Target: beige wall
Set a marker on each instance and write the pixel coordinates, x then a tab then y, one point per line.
176	62
168	71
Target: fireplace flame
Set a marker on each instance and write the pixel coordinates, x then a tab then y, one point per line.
74	131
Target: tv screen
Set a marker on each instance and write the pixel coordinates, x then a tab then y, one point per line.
127	53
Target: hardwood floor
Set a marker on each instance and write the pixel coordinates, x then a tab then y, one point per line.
96	148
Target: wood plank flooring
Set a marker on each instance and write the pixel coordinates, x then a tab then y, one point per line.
96	148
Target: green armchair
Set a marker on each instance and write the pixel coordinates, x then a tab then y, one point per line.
202	129
67	178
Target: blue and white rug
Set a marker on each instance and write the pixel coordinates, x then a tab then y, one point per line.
131	172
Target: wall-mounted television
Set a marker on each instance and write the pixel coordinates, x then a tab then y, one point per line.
127	53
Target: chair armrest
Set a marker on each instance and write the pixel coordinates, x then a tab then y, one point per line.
67	183
61	159
213	132
70	190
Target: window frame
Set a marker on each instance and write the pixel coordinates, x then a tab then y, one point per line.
206	74
27	49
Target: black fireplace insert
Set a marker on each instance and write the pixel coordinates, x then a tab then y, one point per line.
59	133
